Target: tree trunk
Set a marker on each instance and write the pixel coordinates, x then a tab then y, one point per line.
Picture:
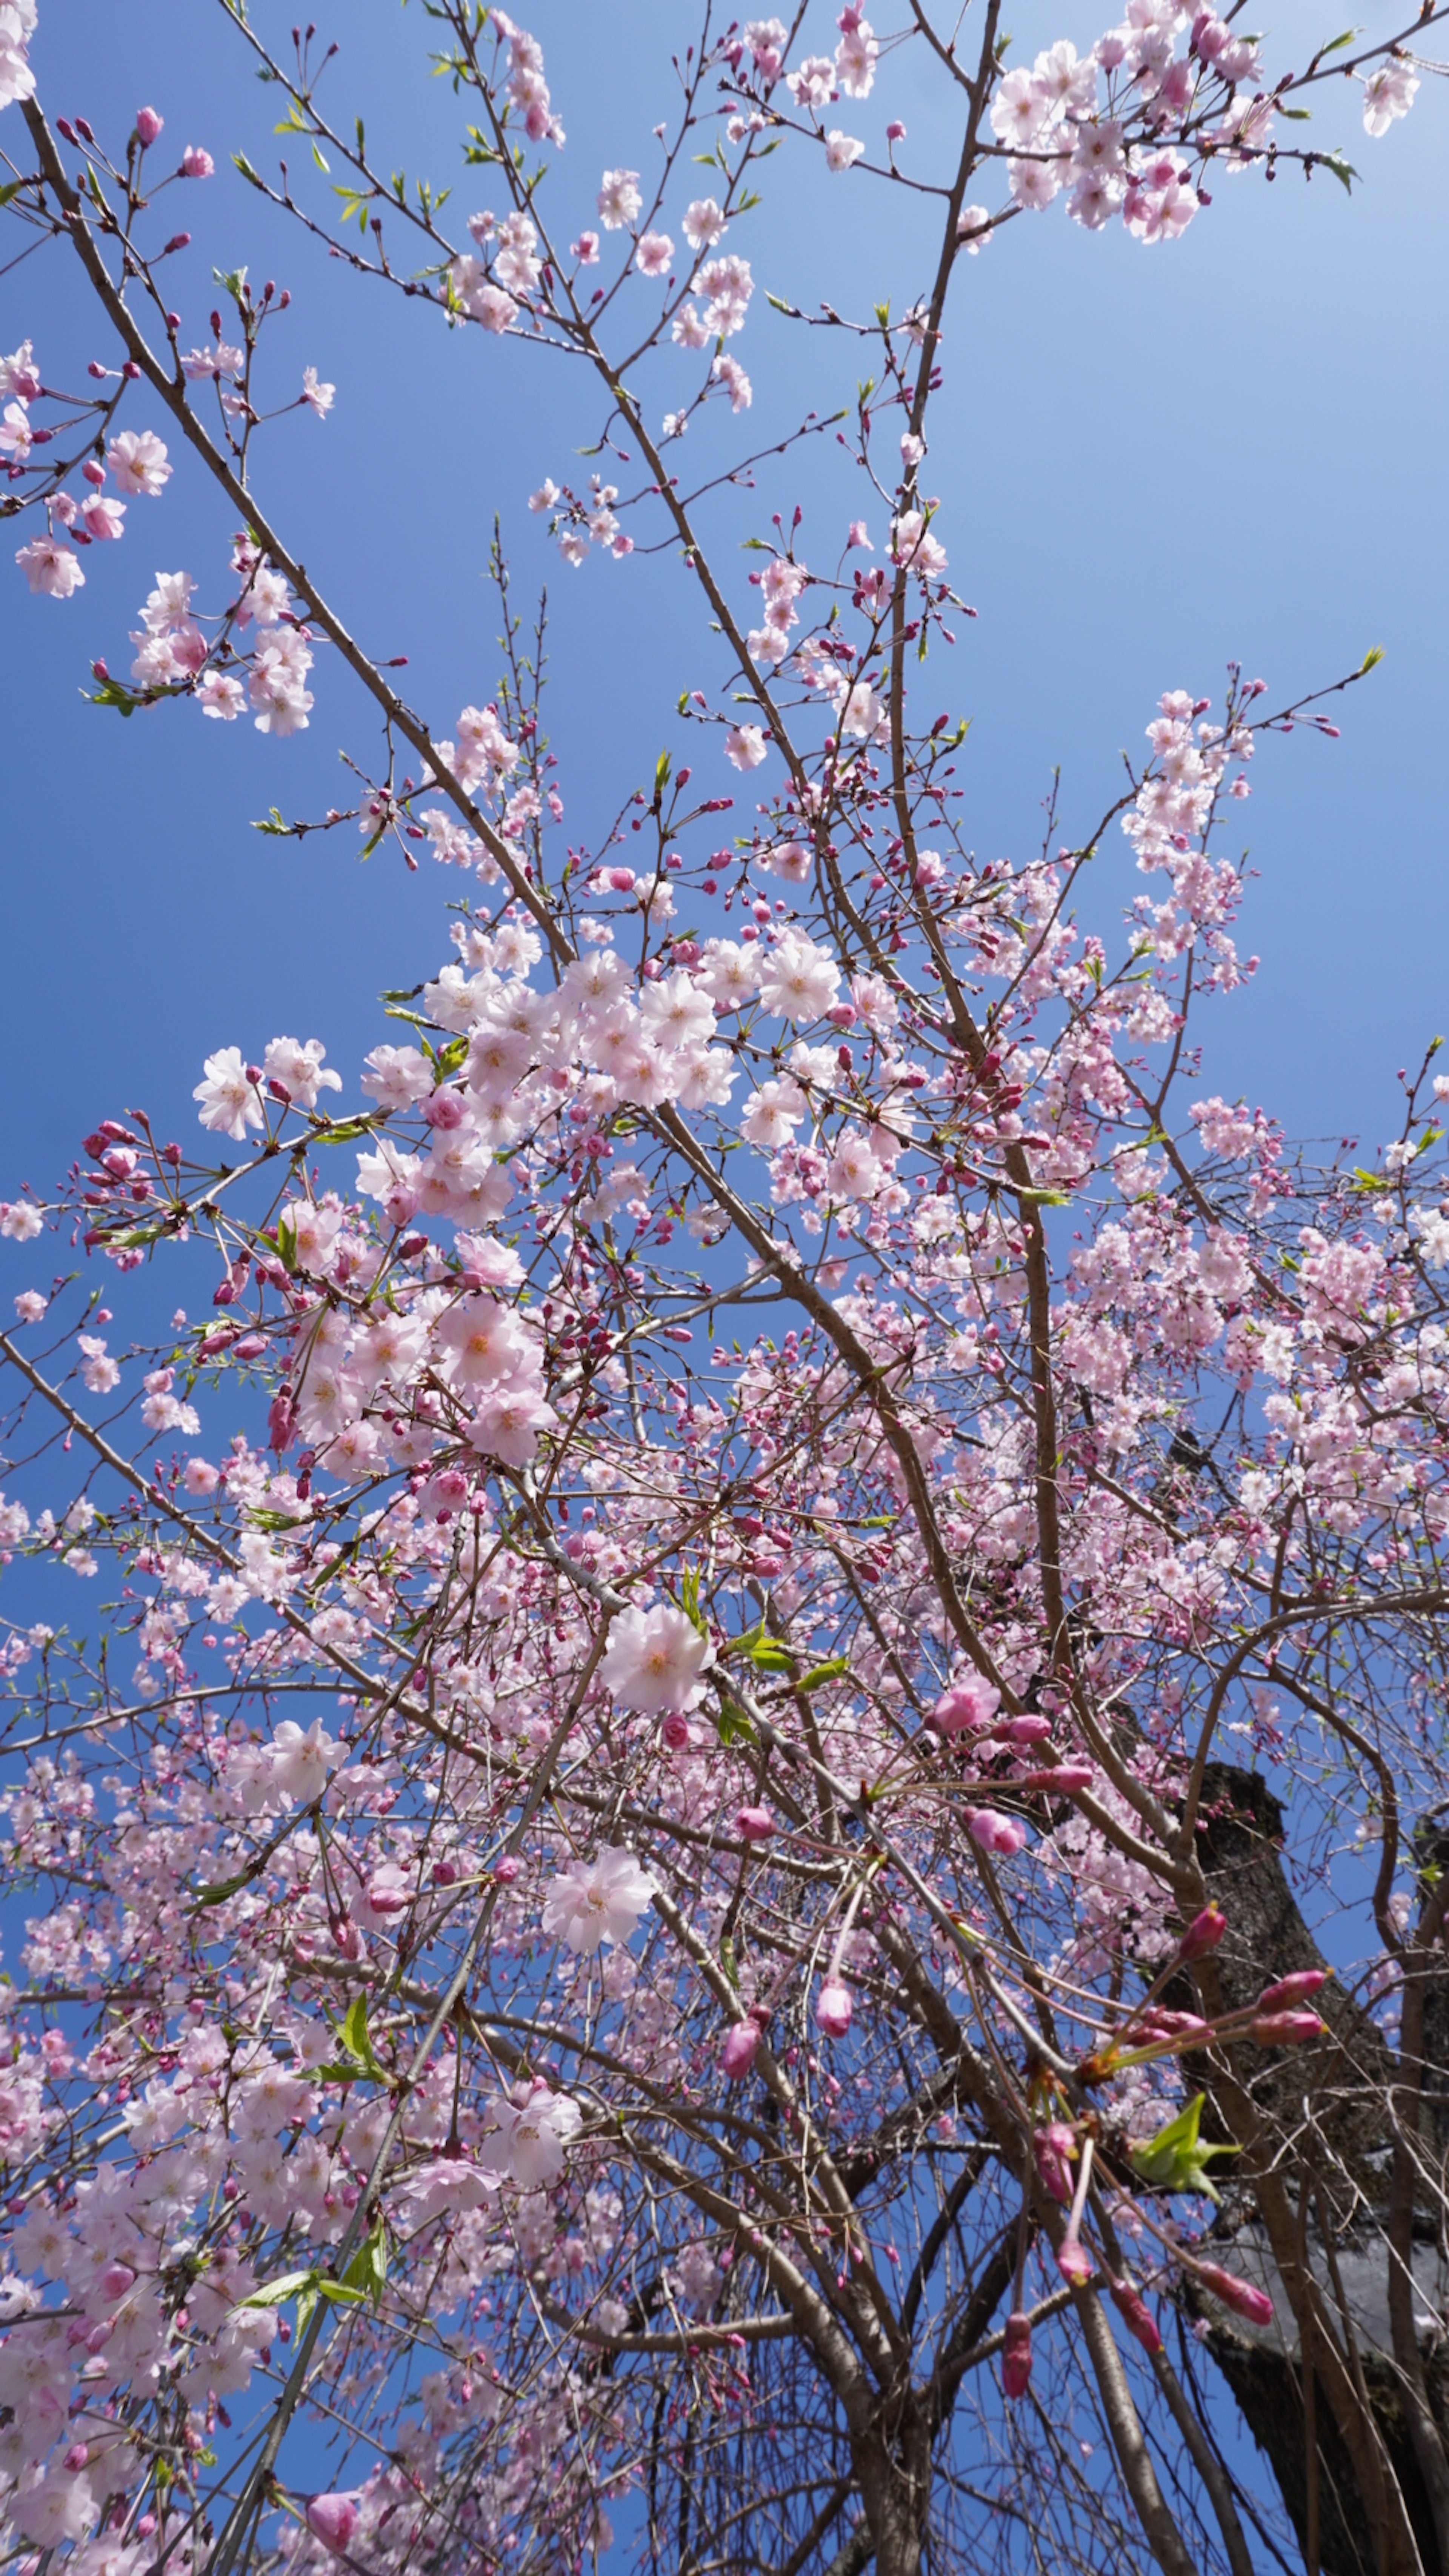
1326	2469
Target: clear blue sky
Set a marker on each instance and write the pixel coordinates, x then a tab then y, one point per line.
1148	461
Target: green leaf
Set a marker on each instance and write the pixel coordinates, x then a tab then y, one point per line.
112	694
732	1725
287	1244
689	1598
273	825
366	2274
1176	2159
820	1674
661	773
1336	44
1345	173
241	163
1372	657
11	189
353	2032
345	1130
276	2293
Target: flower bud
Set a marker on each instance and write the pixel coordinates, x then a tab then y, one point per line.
674	1732
1062	1779
1292	1990
1238	2295
1203	1934
1283	2029
993	1831
333	2519
148	125
1074	2262
738	2053
833	2009
755	1824
1052	2147
1016	2355
1135	2314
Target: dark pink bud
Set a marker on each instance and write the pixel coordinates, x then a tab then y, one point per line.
1073	2261
1282	2030
674	1732
116	2280
507	1870
738	2053
386	1897
1028	1730
1052	2148
148	125
1238	2295
1292	1990
333	2518
281	1424
1136	2315
1016	2355
1203	1934
1063	1778
755	1824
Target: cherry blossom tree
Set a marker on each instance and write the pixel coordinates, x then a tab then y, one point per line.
835	1959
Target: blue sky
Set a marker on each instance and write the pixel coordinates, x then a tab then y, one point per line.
1148	461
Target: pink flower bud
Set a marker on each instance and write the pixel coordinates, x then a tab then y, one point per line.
674	1732
995	1832
385	1896
1062	1779
196	163
1203	1934
1283	2029
755	1824
1052	2147
1016	2355
77	2456
1028	1730
738	2053
1238	2295
1073	2261
116	2280
333	2518
1136	2314
281	1424
1292	1990
833	2009
148	125
507	1870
